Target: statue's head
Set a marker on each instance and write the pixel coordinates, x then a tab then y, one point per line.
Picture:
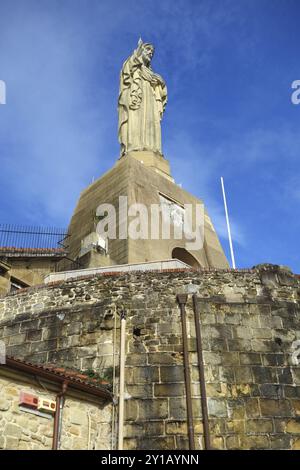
146	51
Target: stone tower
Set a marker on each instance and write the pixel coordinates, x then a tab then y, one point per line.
142	177
140	185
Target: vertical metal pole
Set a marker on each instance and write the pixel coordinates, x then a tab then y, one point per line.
228	224
113	437
181	299
206	433
58	417
122	380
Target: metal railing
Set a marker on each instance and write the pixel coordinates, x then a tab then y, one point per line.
32	238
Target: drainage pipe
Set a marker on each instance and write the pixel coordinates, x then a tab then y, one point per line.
206	433
58	416
122	380
113	437
182	299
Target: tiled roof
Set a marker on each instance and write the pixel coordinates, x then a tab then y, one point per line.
75	379
35	251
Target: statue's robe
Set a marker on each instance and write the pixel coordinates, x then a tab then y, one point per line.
142	99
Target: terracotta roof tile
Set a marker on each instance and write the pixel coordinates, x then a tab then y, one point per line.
73	377
13	249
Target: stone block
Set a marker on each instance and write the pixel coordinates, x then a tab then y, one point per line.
11	443
153	409
242	332
79	443
250	359
240	344
236	426
208	318
173	373
254	442
13	430
12	391
159	443
217	407
232	318
232	442
18	350
262	333
215	390
296	407
284	375
162	358
130	444
295	445
243	374
34	335
169	390
231	358
182	443
271	391
274	359
151	428
134	359
40	346
291	391
264	375
293	426
176	427
17	339
4	404
261	345
252	407
140	391
131	410
74	328
217	442
169	328
78	417
11	330
273	408
177	408
281	441
145	374
211	358
259	426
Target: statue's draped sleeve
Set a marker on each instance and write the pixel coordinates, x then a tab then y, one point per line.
130	95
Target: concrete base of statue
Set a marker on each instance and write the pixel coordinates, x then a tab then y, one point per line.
153	160
143	177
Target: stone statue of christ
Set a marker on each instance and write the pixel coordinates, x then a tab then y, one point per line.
142	100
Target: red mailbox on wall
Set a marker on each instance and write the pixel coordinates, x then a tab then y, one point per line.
27	399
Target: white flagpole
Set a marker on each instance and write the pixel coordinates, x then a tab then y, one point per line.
228	224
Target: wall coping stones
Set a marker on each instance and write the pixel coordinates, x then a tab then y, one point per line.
266	268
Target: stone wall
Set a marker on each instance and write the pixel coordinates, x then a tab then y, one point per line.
86	423
249	321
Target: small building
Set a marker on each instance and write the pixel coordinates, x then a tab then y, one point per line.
28	254
45	407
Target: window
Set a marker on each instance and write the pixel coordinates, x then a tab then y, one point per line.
16	284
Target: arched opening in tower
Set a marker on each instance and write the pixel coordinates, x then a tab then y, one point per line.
183	255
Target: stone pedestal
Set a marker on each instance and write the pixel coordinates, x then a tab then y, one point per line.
152	160
145	178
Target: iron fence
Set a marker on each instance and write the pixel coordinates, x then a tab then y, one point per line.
31	237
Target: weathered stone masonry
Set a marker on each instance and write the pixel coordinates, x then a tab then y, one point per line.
249	321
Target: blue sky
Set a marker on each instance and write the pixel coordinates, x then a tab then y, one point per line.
228	65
